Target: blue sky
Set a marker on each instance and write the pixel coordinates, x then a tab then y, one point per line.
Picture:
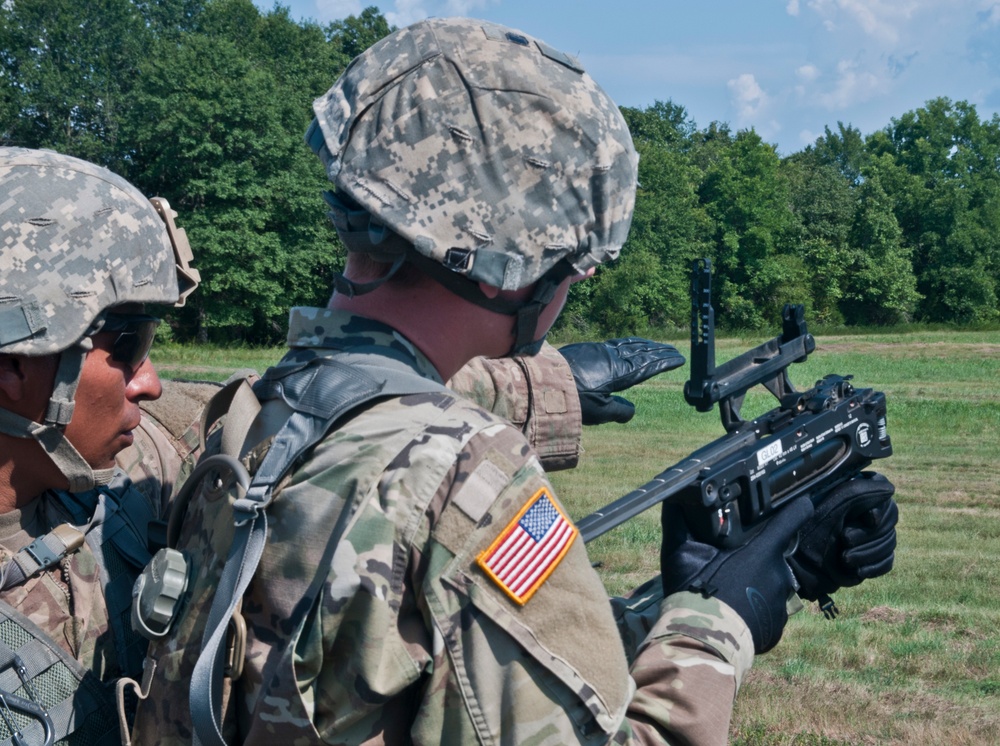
784	67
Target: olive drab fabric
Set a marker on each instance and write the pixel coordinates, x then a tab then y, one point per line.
400	635
418	132
536	394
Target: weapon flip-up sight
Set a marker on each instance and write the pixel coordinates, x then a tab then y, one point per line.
811	442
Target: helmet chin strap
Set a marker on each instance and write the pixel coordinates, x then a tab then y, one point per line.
526	313
359	232
526	321
51	434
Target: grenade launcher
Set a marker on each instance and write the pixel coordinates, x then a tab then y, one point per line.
811	442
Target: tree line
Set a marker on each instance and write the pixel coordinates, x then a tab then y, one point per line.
205	102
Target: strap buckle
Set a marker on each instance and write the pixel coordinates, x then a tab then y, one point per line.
246	510
68	535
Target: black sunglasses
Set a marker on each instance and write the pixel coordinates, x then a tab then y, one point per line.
135	337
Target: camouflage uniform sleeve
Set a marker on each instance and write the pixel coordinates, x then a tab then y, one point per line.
536	394
691	657
563	688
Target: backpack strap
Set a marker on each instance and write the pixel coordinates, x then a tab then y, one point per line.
40	554
115	520
111	520
319	390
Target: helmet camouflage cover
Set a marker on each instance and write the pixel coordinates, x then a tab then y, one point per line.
489	151
75	240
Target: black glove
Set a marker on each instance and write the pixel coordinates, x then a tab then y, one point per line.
600	368
851	537
753	579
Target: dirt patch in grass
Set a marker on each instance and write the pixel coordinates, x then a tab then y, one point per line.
884	615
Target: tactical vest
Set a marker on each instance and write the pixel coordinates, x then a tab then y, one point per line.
46	696
316	392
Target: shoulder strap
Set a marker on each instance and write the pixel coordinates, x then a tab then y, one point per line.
40	554
319	391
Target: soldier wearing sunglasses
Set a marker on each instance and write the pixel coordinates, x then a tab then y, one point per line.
83	254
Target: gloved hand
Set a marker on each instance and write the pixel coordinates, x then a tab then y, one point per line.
600	368
754	578
851	537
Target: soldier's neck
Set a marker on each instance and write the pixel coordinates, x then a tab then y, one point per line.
26	471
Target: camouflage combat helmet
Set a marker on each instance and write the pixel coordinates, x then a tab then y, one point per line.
75	241
482	151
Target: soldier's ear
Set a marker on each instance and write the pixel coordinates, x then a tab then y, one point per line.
488	290
13	379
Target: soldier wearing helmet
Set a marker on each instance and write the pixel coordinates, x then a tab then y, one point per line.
420	582
83	253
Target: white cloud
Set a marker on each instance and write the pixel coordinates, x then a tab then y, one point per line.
406	12
792	8
881	20
748	98
807	137
853	86
807	73
467	7
991	15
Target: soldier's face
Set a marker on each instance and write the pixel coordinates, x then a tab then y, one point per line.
107	402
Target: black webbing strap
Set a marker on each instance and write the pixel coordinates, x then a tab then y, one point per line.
320	393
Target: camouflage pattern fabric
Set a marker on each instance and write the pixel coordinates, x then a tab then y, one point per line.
370	619
688	656
536	394
489	151
65	601
79	606
77	239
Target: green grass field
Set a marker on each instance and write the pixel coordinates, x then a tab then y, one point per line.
913	658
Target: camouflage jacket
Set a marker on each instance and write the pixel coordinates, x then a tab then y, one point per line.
382	611
69	622
536	394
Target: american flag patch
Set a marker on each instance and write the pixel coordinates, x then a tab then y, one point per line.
529	548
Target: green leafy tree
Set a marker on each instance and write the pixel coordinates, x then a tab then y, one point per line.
354	34
844	150
755	230
224	143
647	287
945	183
881	287
823	203
67	69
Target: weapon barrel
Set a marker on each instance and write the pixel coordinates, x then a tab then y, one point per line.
665	484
